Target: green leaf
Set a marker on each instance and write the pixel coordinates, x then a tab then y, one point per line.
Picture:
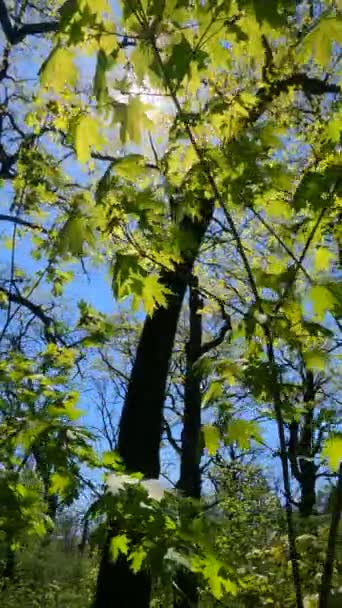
178	64
154	293
87	135
59	70
210	568
243	432
315	360
318	42
110	459
125	267
132	118
323	259
71	237
75	232
137	557
322	301
119	544
59	483
130	166
334	129
100	80
273	12
310	191
213	393
332	451
211	438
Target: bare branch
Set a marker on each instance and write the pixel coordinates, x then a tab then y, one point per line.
38	311
18	220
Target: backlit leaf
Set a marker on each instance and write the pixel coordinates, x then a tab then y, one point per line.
211	438
59	70
323	259
74	234
213	393
132	118
59	483
315	360
136	558
87	135
119	544
242	432
321	299
332	451
318	43
153	293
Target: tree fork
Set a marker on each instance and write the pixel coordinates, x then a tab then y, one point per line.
141	420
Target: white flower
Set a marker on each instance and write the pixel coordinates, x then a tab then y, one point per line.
116	483
153	487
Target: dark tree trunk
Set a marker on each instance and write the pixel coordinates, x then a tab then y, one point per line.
307	487
85	535
9	570
302	451
325	598
44	470
191	451
9	564
118	587
142	415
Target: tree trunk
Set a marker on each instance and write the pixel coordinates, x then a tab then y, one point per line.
301	451
8	573
190	473
140	427
191	452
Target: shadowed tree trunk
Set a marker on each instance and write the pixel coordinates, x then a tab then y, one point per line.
302	451
141	421
326	600
9	568
191	439
191	450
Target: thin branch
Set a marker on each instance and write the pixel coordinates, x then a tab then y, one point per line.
116	159
211	344
277	402
172	441
301	259
280	241
112	368
18	220
48	322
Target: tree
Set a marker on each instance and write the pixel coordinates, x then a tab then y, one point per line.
256	155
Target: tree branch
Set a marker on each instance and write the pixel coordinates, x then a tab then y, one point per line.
15	35
309	85
215	342
47	321
172	441
18	220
